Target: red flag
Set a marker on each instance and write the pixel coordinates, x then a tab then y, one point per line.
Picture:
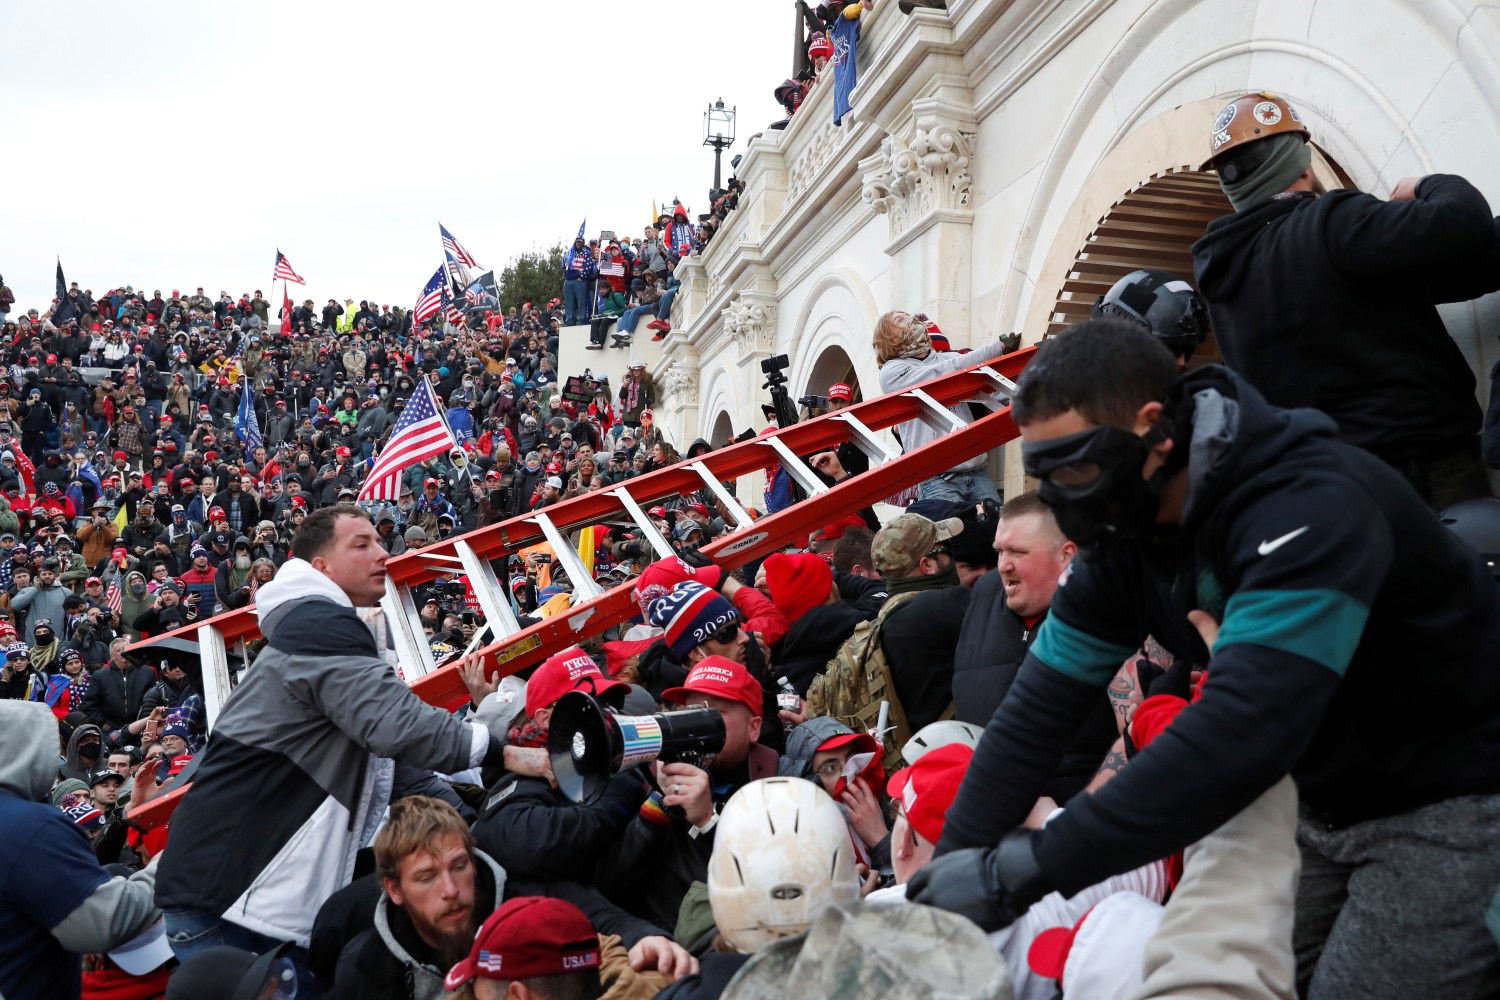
25	467
286	312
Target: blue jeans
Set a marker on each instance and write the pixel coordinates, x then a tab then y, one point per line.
191	931
664	307
575	301
632	316
969	487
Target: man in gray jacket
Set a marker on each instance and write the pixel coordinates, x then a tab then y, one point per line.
44	601
904	352
300	764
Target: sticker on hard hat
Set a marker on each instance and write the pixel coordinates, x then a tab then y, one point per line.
1268	112
1226	116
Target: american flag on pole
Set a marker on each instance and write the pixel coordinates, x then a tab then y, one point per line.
113	597
451	312
456	249
284	270
421	433
432	298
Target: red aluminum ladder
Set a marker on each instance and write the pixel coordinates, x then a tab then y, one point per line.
472	555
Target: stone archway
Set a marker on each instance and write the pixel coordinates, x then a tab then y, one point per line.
722	431
1154	226
833	364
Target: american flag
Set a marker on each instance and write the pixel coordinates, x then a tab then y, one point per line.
113	597
284	270
453	247
451	312
420	434
432	298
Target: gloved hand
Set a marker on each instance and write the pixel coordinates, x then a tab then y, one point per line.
990	886
697	560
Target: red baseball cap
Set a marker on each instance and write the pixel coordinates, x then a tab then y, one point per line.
217	514
664	574
841	390
343	451
926	789
529	936
560	673
720	677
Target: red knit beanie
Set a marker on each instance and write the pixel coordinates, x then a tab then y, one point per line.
799	582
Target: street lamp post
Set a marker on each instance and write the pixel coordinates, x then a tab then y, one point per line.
718	132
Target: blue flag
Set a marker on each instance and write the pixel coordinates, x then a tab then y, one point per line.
245	424
581	226
86	470
845	72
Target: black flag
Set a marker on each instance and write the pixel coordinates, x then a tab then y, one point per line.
64	311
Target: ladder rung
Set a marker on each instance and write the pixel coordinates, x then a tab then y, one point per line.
404	620
865	440
936	413
796	468
214	656
1006	385
662	547
494	598
741	516
584	587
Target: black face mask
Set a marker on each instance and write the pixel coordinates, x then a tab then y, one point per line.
1092	481
88	751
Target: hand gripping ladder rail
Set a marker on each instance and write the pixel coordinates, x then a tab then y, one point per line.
595	609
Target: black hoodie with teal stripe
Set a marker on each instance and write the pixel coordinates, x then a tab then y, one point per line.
1359	651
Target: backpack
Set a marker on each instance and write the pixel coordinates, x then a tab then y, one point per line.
858	679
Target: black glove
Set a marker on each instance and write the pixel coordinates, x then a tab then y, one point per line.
698	560
990	886
1176	679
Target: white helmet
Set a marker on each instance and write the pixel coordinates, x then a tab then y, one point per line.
940	734
782	855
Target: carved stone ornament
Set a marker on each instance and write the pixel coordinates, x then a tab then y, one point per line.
928	174
751	325
826	145
681	384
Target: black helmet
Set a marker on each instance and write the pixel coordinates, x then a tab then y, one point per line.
1163	303
1477	524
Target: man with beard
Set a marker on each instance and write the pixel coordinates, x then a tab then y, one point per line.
1329	299
42	602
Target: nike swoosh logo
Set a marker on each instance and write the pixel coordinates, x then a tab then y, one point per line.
1266	548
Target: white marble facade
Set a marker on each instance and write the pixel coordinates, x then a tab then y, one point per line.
987	142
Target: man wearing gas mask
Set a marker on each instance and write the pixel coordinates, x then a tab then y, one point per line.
1313	573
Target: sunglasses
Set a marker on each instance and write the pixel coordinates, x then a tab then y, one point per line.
726	633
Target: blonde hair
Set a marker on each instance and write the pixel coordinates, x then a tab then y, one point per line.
898	336
415	824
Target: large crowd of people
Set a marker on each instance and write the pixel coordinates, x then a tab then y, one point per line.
1152	730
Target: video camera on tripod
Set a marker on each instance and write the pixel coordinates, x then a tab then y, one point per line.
589	744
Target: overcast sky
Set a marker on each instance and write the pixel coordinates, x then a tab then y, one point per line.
172	144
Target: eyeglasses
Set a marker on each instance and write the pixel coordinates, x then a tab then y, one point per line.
727	633
830	769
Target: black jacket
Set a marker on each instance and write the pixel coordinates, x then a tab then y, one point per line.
114	697
813	640
993	642
919	639
1330	302
650	867
1328	574
537	832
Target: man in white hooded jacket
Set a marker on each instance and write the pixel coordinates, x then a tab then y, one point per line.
299	766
